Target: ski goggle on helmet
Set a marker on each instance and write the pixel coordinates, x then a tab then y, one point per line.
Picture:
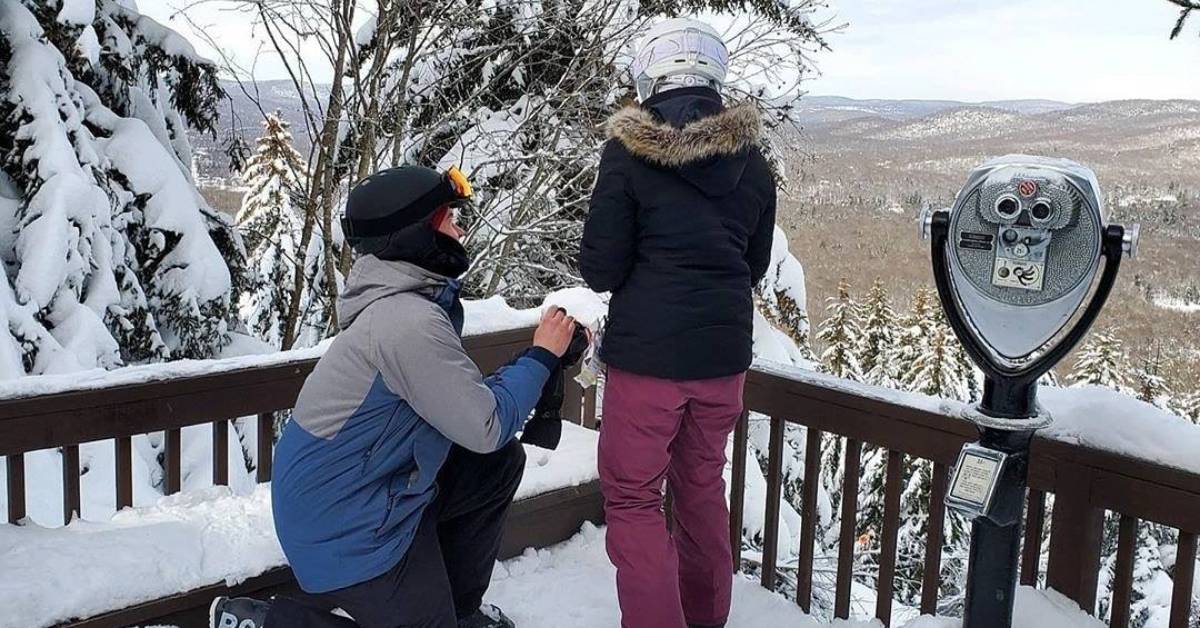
680	52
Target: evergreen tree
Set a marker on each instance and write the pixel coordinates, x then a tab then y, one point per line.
879	338
110	255
870	510
915	329
963	367
911	538
938	369
1146	600
1101	362
270	224
1189	407
781	298
880	333
1151	385
318	302
841	334
114	258
929	357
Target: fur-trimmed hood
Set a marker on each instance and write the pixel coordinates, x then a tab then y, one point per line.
729	132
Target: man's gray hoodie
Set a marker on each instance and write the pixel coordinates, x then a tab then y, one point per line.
357	464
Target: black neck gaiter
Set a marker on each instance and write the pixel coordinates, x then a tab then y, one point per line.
426	247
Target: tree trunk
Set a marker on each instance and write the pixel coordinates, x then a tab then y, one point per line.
320	192
367	157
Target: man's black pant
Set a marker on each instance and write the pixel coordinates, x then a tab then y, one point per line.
449	565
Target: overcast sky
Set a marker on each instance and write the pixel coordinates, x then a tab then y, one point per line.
1072	50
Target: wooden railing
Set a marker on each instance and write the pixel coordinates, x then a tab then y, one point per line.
221	393
1085	482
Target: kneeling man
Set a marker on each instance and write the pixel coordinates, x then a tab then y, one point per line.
393	478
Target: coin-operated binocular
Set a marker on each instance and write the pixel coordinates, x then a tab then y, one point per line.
1023	263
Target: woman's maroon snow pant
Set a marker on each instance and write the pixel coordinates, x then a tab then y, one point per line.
655	429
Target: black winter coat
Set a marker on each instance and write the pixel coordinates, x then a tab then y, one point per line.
680	230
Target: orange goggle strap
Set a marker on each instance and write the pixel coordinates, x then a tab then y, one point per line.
460	182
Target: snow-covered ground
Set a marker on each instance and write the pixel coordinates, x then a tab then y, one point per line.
572	584
185	541
584	595
1179	305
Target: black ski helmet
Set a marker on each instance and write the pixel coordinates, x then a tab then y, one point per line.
391	200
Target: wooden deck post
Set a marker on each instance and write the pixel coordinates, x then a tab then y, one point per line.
1076	531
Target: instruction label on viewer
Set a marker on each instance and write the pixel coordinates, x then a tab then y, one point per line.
975	477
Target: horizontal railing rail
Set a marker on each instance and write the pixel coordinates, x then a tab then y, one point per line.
222	392
1085	482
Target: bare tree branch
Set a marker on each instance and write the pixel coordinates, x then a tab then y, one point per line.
1187	6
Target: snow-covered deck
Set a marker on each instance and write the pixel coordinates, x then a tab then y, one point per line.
186	541
573	584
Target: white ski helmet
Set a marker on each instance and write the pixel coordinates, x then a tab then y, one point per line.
681	52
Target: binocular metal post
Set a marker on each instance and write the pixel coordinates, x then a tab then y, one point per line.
1013	262
996	547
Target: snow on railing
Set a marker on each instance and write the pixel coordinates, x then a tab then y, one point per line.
482	317
1091	416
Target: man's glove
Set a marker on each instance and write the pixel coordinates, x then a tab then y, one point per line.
545	428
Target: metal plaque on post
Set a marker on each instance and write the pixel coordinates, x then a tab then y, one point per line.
973	483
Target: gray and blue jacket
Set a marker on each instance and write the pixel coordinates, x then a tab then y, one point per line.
358	463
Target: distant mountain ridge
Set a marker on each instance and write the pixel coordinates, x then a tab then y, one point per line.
1136	138
888	149
905	109
844	122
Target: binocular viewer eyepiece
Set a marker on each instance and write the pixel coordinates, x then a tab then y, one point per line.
1018	255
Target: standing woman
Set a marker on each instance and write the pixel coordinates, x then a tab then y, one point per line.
679	231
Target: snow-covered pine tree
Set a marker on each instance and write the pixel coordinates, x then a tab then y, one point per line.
936	365
915	329
1101	362
1189	407
880	330
318	302
782	299
841	335
1151	386
109	249
870	511
937	369
914	530
1150	579
1150	595
270	224
878	337
968	372
110	255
